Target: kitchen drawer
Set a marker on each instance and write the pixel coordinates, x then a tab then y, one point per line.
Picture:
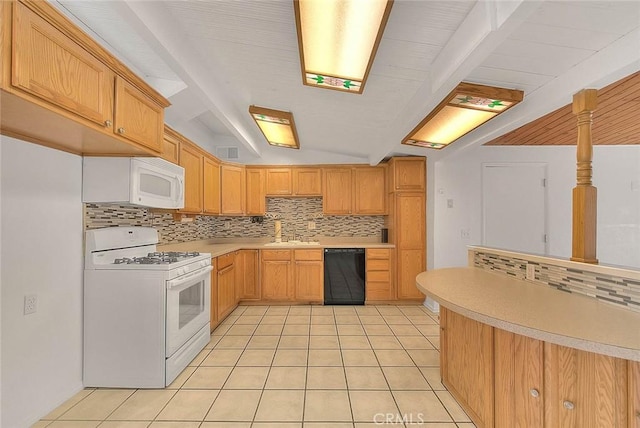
378	253
312	255
377	264
226	260
378	276
276	254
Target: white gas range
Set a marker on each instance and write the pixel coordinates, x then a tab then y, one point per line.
146	313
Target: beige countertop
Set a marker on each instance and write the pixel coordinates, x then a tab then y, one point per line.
535	310
220	247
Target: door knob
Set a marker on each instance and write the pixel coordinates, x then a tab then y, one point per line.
534	393
568	405
107	123
120	130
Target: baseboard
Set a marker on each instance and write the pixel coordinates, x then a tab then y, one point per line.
432	305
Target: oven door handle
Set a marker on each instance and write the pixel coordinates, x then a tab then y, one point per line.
187	279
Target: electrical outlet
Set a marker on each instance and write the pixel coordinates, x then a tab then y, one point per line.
30	304
449	203
465	233
311	225
531	271
227	225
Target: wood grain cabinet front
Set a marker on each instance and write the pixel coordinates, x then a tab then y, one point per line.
191	160
337	191
226	285
309	276
466	364
276	275
233	190
519	381
634	394
210	185
307	181
370	194
248	268
214	295
62	89
583	389
256	198
279	182
379	271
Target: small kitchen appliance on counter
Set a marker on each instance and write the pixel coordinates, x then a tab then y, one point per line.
146	313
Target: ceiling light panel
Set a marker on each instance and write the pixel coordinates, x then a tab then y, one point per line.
338	40
277	126
467	107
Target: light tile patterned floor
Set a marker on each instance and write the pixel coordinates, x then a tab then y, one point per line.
292	366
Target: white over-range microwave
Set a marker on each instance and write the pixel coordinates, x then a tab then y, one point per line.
148	182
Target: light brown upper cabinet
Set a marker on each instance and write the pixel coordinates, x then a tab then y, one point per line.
337	191
256	202
211	185
233	185
370	195
407	174
191	160
307	181
137	117
171	146
61	89
279	182
296	181
354	190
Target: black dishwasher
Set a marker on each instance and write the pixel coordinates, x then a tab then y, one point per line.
344	270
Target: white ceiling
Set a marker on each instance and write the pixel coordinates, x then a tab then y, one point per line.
214	58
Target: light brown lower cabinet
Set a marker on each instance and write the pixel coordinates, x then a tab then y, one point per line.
276	275
583	389
519	381
309	276
226	285
247	269
214	295
378	276
467	364
503	379
634	394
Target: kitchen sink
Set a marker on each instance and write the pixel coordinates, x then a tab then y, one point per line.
290	243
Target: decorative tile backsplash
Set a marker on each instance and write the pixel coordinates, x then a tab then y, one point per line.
617	290
293	212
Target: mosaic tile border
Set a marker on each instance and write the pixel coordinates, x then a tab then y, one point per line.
620	291
293	212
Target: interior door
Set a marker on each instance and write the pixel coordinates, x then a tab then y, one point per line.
514	206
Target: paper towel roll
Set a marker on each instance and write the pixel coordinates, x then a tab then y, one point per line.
278	226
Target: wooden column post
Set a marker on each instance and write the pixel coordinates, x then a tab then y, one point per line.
584	194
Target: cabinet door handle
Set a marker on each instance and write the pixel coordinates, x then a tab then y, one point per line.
120	130
107	123
534	393
568	405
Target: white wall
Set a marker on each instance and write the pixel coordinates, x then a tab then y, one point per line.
616	175
41	253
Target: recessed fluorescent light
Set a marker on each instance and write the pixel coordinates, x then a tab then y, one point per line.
277	126
463	110
338	40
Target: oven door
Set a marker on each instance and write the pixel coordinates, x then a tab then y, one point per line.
188	307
